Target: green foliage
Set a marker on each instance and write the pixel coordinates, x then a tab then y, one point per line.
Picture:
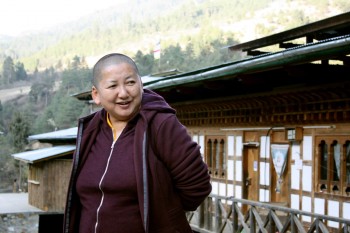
20	72
8	71
19	131
8	171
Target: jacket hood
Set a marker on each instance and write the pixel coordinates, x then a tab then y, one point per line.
153	103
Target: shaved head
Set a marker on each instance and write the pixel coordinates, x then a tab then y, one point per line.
107	60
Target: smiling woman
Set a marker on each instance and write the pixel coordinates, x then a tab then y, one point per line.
18	16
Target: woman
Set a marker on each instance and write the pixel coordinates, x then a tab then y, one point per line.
135	168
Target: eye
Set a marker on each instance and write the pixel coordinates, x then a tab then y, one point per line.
112	86
130	82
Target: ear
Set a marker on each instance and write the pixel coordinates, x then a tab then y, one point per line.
95	95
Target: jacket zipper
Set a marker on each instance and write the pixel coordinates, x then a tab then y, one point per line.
100	185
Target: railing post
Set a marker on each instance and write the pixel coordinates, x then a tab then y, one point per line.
234	217
317	225
251	220
292	224
272	223
218	215
201	210
207	215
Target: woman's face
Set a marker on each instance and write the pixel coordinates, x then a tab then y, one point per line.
119	92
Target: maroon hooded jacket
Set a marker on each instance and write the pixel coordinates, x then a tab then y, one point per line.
170	173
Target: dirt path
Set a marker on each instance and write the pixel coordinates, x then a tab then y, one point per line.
12	93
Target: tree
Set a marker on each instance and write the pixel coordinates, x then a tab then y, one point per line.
19	130
20	72
8	72
144	62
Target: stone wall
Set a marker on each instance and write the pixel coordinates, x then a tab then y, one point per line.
19	223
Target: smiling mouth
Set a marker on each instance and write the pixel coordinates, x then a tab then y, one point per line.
123	103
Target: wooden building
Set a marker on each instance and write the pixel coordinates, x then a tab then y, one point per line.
275	127
49	169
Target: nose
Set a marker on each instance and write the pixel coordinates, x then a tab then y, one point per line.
123	92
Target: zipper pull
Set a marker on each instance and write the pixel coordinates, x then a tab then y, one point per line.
113	144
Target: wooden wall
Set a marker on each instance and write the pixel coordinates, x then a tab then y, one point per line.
48	183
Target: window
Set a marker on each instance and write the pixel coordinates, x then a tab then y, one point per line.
333	165
215	155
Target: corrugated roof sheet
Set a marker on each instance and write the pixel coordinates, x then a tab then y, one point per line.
35	156
70	133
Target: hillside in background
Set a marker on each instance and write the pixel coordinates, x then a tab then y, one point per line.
138	25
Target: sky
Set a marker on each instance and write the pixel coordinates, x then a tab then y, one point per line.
20	16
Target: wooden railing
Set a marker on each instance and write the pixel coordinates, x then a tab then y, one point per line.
228	214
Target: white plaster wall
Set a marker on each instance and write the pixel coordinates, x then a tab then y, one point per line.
201	143
333	210
229	192
295	178
295	151
239	145
264	173
264	147
307	148
222	189
195	138
238	191
215	188
306	179
230	169
230	145
306	206
346	210
238	172
264	195
319	206
294	201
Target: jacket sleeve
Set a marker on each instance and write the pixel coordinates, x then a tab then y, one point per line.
181	155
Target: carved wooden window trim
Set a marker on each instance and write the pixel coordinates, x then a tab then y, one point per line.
215	156
332	165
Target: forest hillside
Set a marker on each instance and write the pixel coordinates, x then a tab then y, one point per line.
139	25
